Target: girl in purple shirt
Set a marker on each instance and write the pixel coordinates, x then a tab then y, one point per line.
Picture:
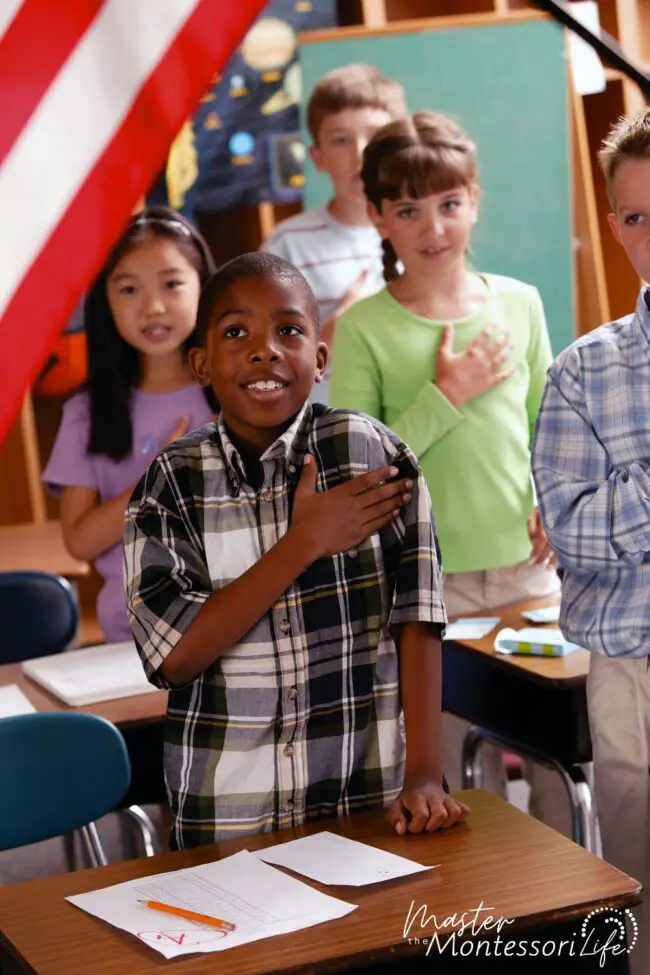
140	395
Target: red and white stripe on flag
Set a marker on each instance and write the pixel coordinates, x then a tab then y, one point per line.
93	92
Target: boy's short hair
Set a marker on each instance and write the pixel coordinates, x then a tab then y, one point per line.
353	86
257	264
629	138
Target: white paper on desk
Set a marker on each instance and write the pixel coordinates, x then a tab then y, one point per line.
13	701
260	900
588	71
332	859
91	674
471	628
549	614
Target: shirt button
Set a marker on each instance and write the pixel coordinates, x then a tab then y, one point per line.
292	693
288	751
290	805
353	553
292	468
285	626
267	495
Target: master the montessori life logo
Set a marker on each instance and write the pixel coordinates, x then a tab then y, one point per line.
605	932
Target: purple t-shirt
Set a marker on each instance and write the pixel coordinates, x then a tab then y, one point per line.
154	416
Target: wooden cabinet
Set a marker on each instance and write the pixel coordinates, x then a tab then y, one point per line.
605	282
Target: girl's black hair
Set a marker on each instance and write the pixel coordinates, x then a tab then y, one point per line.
113	364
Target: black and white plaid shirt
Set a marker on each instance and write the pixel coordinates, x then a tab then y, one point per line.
301	719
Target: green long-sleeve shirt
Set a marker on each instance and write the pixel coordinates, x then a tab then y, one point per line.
476	459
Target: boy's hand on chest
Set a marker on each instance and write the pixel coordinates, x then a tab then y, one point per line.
334	521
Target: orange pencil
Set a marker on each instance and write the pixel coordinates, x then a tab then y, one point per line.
189	915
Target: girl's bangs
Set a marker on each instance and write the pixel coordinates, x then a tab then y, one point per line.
420	171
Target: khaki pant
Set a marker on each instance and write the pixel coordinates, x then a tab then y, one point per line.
475	592
618	698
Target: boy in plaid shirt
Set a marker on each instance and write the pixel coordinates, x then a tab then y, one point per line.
283	581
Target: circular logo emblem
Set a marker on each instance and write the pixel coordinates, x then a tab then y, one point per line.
618	920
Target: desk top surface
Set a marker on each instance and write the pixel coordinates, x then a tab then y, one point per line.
125	712
516	866
569	670
38	547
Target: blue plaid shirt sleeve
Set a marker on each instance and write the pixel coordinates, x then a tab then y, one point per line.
596	515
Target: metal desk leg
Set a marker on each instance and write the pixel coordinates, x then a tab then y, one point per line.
472	774
584	829
587	810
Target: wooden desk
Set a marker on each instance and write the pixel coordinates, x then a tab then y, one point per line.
38	547
565	671
513	864
540	701
534	706
125	712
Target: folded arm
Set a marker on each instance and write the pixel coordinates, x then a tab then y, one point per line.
596	515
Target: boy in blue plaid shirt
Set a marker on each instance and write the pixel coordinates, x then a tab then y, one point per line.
591	463
283	581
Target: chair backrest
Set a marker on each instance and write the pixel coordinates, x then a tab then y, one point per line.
58	771
38	615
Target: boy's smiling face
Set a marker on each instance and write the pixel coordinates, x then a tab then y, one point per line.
261	356
630	223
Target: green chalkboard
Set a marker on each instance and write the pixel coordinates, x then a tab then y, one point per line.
507	85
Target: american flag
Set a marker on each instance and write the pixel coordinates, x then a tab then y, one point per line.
92	94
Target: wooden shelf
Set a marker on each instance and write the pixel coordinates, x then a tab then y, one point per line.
420	9
622	282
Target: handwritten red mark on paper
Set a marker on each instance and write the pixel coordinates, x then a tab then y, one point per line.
182	936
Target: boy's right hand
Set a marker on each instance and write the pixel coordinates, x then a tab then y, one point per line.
343	517
462	376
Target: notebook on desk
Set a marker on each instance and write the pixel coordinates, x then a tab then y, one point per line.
90	675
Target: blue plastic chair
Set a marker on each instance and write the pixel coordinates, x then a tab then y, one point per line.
39	615
58	773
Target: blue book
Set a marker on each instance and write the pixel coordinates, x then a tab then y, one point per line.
534	641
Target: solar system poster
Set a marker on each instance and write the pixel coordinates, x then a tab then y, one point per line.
242	145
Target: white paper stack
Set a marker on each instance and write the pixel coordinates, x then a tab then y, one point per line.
257	899
332	859
471	628
13	701
550	614
90	675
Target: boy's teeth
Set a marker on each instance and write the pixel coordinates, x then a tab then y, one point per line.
265	385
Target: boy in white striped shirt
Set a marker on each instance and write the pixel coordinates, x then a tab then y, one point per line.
336	246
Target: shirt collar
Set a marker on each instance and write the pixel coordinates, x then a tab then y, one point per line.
291	448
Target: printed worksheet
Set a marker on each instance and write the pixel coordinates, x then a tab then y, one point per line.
333	859
258	899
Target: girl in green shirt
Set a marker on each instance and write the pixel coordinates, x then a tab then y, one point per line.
454	361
